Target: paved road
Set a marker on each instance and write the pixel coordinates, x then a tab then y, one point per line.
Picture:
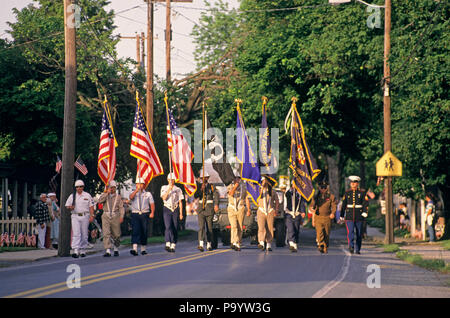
225	273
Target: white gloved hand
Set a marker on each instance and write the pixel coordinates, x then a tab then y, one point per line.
341	219
364	214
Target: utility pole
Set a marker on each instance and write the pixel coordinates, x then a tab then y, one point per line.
68	151
139	40
138	52
389	238
143	49
168	40
149	88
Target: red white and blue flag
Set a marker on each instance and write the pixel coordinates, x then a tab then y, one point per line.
79	164
58	164
180	155
143	149
107	150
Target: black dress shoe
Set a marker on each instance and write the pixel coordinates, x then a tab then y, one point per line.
172	250
261	247
116	253
167	248
83	255
351	250
75	255
209	248
237	249
358	252
133	252
200	248
144	253
233	247
107	254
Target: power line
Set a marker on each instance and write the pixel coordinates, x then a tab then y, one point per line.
62	32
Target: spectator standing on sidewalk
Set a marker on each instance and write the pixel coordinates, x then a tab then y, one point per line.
56	215
42	218
430	211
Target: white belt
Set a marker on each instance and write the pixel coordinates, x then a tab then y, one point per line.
171	208
262	210
352	206
140	212
79	213
207	201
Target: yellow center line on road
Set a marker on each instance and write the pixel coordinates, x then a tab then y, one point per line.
55	288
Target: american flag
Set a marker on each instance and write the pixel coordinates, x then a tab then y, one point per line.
143	149
28	239
33	240
12	239
107	151
79	164
181	156
6	238
58	164
20	239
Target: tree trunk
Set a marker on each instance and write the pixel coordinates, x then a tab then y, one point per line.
335	165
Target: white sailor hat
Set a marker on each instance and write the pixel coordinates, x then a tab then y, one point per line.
354	179
79	183
206	174
171	176
51	194
112	183
140	180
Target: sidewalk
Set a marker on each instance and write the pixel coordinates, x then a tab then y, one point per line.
38	254
425	249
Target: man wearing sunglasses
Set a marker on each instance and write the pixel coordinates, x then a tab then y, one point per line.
355	205
82	213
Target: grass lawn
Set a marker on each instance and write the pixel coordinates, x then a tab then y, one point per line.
446	245
430	264
15	249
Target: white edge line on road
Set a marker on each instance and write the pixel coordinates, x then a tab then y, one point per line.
339	278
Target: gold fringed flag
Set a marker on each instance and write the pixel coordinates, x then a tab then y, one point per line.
302	163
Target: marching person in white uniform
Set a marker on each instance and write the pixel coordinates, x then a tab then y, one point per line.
82	210
173	204
141	204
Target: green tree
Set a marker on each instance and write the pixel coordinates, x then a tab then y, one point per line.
32	93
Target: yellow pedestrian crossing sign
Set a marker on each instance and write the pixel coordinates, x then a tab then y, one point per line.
389	166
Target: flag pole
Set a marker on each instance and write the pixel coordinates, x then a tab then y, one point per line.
203	152
171	136
138	160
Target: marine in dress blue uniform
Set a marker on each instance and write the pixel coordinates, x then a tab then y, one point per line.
355	204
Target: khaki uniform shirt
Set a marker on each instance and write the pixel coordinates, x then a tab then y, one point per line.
112	204
327	205
237	201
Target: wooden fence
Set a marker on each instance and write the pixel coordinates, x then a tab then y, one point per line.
17	226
